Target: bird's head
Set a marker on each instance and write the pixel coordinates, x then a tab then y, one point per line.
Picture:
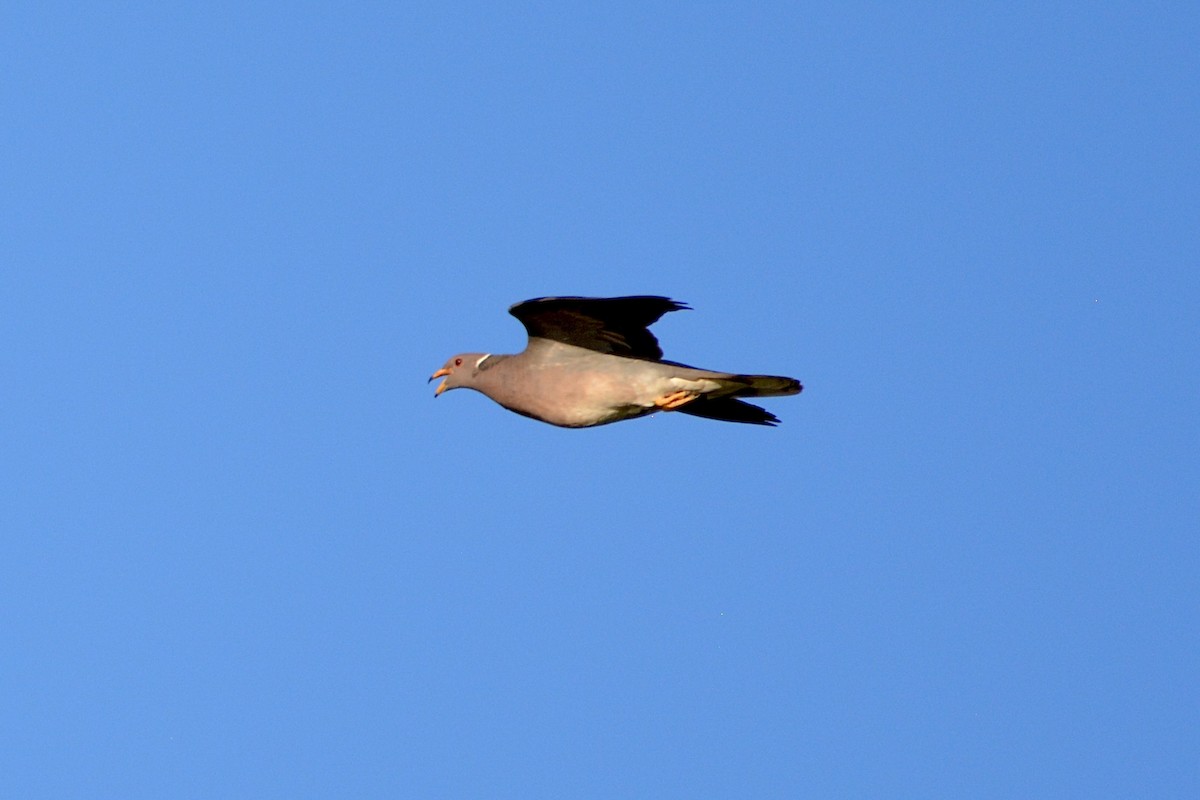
458	372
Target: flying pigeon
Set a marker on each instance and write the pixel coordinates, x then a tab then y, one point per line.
592	361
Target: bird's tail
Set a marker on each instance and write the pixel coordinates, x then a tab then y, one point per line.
765	385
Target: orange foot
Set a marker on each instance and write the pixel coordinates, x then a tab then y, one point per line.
672	401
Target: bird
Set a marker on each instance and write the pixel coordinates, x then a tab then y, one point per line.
593	361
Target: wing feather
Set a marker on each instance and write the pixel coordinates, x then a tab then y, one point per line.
613	325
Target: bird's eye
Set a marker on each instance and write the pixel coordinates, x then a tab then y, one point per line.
458	362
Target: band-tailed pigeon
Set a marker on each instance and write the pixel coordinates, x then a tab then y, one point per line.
591	361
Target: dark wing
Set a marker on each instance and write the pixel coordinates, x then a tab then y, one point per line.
728	409
614	325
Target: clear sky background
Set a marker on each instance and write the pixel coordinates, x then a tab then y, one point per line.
246	554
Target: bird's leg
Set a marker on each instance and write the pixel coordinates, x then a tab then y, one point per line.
672	401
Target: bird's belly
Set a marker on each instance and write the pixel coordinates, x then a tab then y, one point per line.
581	396
582	401
616	399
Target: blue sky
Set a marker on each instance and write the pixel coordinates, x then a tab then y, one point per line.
245	553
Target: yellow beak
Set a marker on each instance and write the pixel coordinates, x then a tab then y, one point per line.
441	373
